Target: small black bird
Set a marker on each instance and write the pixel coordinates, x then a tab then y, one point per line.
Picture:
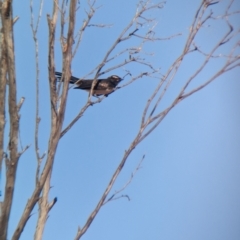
102	86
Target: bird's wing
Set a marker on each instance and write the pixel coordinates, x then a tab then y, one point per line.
87	84
84	84
102	86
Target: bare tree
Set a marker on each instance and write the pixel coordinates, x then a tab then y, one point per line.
141	28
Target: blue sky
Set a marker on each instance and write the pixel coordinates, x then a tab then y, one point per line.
188	185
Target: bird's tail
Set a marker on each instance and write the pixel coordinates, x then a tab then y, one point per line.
72	80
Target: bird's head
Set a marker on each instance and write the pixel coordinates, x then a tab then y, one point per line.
115	78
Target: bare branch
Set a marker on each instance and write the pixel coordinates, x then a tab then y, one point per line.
80	114
3	81
142	9
114	196
37	118
159	117
57	122
107	190
53	138
7	49
20	103
86	24
141	28
150	122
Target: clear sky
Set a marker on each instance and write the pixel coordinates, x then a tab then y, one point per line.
188	185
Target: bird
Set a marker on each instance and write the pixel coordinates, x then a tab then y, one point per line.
103	86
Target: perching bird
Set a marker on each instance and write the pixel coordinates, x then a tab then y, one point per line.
102	86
